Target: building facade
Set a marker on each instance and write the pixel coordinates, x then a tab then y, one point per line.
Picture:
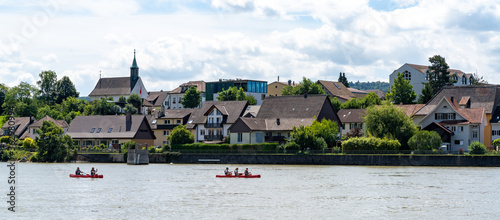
255	88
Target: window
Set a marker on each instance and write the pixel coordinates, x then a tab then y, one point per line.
453	128
258	137
343	125
202	132
457	142
98	130
276	87
219	113
92	130
445	116
165	133
464	80
474	135
174	101
460	128
240	137
109	130
407	75
167	122
34	131
178	122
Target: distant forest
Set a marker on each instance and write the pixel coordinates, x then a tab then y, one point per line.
384	86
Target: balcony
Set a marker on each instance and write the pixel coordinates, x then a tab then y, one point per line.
213	125
213	137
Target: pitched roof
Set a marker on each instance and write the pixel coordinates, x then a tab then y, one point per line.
177	113
410	109
351	115
60	123
292	106
293	84
271	124
156	98
423	69
337	89
233	110
20	124
200	86
480	96
380	93
81	126
112	86
252	111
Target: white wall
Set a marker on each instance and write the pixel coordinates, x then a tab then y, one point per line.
417	78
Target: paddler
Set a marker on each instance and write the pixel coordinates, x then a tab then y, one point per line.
93	171
236	171
247	173
226	172
78	172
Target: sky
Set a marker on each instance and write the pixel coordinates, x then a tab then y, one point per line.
177	41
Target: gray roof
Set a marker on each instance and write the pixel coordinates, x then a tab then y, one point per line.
20	124
292	106
351	115
112	86
380	93
200	86
177	113
157	98
81	126
480	96
251	111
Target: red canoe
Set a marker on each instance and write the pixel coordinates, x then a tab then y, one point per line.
240	176
86	176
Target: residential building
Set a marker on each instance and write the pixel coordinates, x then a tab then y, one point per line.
352	118
380	93
174	98
418	75
19	125
462	115
212	121
31	132
276	87
115	87
336	89
278	115
155	102
164	124
255	88
111	130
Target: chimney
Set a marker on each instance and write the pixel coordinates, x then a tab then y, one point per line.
278	121
289	82
452	101
128	121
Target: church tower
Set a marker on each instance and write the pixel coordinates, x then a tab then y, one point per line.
134	73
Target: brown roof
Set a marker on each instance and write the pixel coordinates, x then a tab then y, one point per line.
423	69
292	106
380	93
351	115
60	123
464	100
156	98
480	96
336	89
20	125
81	126
200	86
233	110
177	113
293	84
410	109
112	86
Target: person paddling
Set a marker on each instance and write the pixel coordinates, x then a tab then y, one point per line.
78	171
226	172
236	171
93	171
247	173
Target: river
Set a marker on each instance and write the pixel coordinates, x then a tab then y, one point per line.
185	191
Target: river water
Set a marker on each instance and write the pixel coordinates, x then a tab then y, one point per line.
180	191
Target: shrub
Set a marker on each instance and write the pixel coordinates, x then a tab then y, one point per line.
102	146
477	148
291	147
370	144
425	141
496	142
165	147
336	150
6	139
128	144
28	143
152	149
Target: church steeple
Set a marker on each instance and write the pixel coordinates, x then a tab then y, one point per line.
134	72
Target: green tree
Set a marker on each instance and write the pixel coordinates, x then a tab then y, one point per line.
305	87
439	75
135	100
425	141
235	94
180	135
251	100
475	79
304	138
343	79
64	88
361	103
389	121
335	103
401	91
47	84
25	109
326	129
72	104
129	108
101	107
427	94
50	111
192	98
52	143
477	148
3	91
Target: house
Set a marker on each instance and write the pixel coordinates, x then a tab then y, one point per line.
352	118
336	89
174	98
31	132
278	115
120	86
255	88
19	125
380	93
164	124
114	130
418	75
155	102
276	87
212	121
462	115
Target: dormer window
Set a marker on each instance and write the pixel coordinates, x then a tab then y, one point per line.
98	130
109	130
92	130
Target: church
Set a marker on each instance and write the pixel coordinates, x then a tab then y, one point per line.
120	86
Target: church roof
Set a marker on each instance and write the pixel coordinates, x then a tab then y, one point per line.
112	86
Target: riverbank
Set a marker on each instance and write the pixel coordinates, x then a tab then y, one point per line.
363	160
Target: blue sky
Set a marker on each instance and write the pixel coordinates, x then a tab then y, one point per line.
178	41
